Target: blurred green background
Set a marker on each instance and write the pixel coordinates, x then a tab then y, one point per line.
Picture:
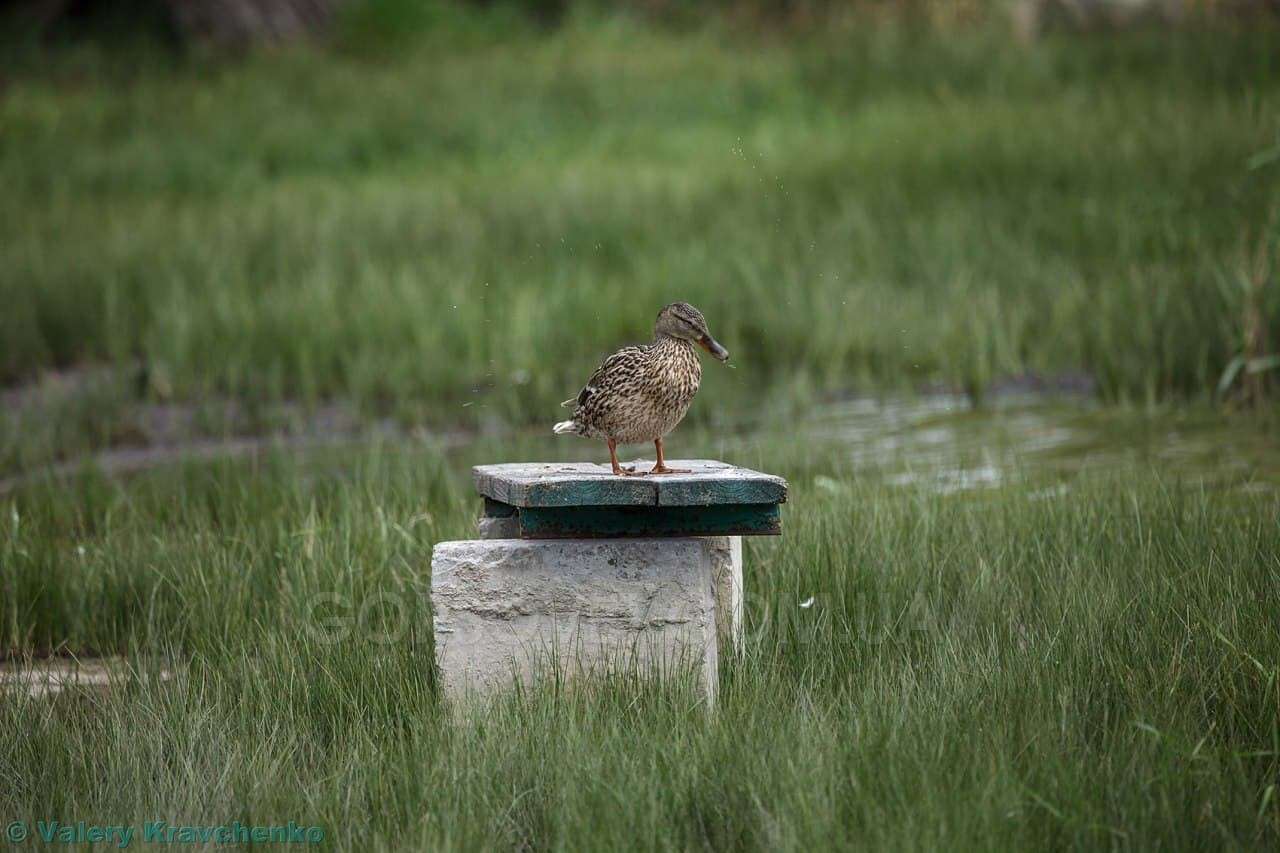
446	213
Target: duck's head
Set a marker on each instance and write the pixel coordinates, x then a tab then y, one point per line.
682	321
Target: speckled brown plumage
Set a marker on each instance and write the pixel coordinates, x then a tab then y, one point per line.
641	393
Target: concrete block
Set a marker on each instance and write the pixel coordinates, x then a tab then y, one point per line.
506	607
725	553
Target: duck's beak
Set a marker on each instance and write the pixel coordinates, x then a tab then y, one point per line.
710	344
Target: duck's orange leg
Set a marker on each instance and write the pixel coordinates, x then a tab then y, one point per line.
613	457
660	467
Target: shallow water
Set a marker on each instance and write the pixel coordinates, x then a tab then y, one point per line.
936	441
944	443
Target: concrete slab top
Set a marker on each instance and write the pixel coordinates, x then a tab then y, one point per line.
565	484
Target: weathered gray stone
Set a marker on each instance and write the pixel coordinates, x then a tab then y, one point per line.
506	607
726	577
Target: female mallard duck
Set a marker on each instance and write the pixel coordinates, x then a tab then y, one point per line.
640	393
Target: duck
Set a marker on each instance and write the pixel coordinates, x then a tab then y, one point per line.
640	393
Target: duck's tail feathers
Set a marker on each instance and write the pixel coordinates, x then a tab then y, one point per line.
565	428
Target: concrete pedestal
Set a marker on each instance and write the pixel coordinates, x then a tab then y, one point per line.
725	553
506	609
580	570
726	579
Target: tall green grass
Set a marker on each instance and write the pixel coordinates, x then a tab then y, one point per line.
439	224
1094	666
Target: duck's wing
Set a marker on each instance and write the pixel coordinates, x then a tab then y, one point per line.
619	367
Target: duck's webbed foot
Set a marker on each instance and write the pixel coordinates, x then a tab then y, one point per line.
619	470
660	467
